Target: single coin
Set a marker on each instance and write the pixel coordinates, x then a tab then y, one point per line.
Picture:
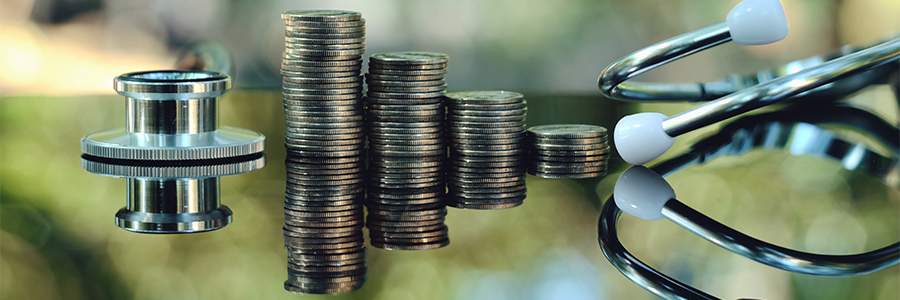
324	30
556	165
409	58
320	86
489	113
570	159
407	89
376	65
484	97
391	246
568	131
325	52
570	176
453	129
294	22
356	91
558	147
376	94
600	151
395	107
308	35
329	80
406	72
487	147
372	100
285	67
461	185
387	83
286	73
463	106
371	76
356	61
484	206
321	15
486	119
568	141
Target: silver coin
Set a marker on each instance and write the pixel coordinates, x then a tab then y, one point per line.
314	160
304	23
550	158
375	94
453	130
571	176
480	206
568	131
425	111
394	107
324	30
571	141
406	124
373	64
461	135
485	185
401	118
463	106
315	135
311	46
321	63
514	141
484	97
374	100
404	78
310	90
407	164
543	165
292	105
409	58
293	145
407	89
320	86
285	67
568	147
293	74
324	52
322	101
339	131
387	83
390	136
321	15
302	112
309	35
327	80
489	164
461	171
406	72
489	113
474	180
488	147
485	119
601	151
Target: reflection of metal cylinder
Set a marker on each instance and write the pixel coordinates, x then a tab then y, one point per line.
172	151
178	205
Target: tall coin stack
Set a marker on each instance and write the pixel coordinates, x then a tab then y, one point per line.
407	150
323	209
568	151
487	149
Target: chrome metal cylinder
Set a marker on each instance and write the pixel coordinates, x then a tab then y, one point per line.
171	117
181	205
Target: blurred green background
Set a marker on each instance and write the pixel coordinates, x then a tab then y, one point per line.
58	240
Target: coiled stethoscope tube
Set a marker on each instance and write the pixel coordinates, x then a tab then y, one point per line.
772	130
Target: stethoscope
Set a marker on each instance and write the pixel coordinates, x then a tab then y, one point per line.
644	193
643	137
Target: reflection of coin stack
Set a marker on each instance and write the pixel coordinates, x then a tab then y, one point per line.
323	210
487	149
568	151
407	150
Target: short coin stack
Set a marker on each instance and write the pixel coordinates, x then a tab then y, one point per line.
487	149
407	150
568	151
323	208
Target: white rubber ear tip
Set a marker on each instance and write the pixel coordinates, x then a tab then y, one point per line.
757	22
642	193
640	138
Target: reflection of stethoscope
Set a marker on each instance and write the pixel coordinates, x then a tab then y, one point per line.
643	193
641	138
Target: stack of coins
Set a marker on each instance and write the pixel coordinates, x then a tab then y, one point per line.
323	210
568	151
487	149
407	150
